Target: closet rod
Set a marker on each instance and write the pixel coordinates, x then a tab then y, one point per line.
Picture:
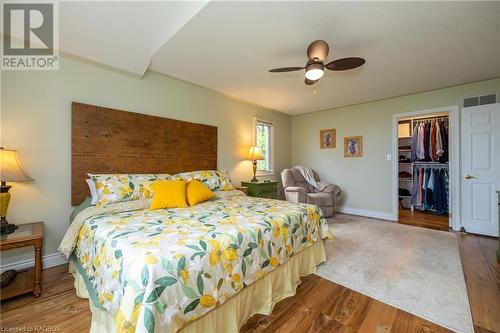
432	115
430	118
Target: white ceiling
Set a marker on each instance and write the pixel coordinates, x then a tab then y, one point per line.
229	46
123	35
409	47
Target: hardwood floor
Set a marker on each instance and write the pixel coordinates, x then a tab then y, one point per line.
319	306
58	309
423	219
324	306
482	277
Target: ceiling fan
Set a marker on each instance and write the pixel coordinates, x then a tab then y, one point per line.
315	67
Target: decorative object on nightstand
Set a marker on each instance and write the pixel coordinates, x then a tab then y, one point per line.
10	171
266	189
7	277
254	155
27	280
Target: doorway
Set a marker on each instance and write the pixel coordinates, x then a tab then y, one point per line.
425	168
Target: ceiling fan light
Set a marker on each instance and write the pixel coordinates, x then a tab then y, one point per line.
314	72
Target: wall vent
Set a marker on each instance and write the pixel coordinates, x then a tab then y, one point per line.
480	100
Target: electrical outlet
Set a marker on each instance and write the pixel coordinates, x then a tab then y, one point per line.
389	157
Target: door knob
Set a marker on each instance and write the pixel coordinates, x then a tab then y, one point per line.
469	177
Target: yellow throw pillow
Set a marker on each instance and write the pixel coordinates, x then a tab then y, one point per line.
169	194
198	192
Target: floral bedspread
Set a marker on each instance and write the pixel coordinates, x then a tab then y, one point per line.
155	268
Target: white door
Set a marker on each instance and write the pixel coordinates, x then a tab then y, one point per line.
480	168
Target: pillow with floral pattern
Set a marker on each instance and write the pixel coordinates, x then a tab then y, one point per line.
113	188
213	179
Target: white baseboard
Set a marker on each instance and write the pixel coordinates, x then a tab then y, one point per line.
50	260
367	213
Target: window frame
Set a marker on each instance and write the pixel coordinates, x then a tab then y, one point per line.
257	121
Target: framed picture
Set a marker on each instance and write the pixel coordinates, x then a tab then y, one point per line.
353	146
327	138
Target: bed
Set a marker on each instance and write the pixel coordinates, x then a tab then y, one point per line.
206	268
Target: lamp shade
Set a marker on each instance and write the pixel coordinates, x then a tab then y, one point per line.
10	168
254	154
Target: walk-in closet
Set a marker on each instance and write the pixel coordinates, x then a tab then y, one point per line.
423	170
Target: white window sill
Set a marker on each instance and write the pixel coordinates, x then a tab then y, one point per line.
262	173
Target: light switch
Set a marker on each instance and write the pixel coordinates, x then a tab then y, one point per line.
389	157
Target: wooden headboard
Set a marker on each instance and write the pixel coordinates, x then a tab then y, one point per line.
106	140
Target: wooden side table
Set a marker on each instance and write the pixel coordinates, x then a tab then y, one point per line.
27	280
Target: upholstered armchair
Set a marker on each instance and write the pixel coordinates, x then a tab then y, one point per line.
297	189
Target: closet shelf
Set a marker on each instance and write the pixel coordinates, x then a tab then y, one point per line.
424	163
430	163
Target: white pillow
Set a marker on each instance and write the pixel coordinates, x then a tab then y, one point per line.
112	188
93	191
213	179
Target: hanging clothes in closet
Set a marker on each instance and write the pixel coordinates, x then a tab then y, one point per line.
430	188
429	141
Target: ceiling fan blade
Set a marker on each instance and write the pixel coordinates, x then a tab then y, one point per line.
344	64
318	50
285	69
310	82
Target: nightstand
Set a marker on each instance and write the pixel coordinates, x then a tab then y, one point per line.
27	280
262	189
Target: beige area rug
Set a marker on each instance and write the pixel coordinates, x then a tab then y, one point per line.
415	269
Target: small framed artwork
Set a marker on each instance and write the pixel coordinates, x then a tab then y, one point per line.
353	146
327	138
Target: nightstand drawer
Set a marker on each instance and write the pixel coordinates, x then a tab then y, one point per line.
262	189
268	187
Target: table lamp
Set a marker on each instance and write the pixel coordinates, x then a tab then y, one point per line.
254	155
10	171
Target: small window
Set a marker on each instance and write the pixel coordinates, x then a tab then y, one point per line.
264	139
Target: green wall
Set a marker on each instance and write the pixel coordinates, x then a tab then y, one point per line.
366	181
35	120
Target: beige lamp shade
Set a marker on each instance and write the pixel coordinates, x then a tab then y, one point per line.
10	168
254	154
